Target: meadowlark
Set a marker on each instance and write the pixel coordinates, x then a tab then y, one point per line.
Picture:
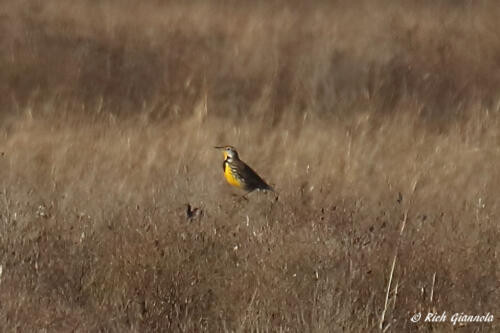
240	175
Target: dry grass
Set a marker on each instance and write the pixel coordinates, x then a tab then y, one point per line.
378	124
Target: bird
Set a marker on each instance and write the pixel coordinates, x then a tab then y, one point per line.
239	174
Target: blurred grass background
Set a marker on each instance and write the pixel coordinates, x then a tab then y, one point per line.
377	122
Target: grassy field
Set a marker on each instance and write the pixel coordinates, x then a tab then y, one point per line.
377	122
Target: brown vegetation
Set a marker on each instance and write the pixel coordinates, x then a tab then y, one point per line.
377	122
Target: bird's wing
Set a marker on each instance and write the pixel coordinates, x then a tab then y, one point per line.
254	180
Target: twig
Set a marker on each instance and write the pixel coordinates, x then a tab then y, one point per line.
382	318
403	225
433	283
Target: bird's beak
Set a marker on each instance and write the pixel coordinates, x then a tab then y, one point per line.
219	147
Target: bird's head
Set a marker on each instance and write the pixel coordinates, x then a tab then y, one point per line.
229	152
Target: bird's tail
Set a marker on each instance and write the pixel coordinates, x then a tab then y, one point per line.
268	188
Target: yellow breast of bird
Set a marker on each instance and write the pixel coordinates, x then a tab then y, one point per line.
230	177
